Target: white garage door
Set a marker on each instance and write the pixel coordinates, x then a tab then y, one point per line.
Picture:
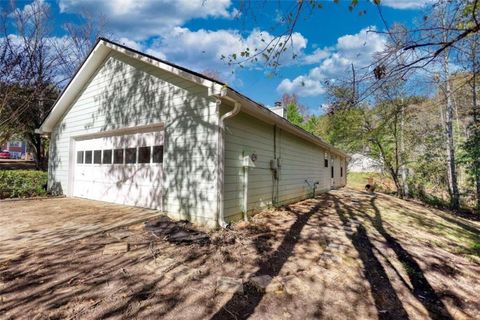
124	169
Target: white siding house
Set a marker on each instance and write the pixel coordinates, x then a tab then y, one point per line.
363	163
135	130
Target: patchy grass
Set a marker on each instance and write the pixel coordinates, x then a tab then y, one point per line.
430	225
475	249
358	180
383	183
343	255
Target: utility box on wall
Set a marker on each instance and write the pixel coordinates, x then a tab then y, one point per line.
273	164
249	160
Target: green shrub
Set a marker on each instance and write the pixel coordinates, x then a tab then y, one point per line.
475	249
22	183
417	191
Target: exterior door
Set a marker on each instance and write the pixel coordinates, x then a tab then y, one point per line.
332	174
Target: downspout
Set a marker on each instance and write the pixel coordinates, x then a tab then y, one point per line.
245	193
275	173
221	162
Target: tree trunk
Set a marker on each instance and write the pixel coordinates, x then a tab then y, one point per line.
452	174
38	153
393	171
398	185
40	159
477	183
402	151
476	126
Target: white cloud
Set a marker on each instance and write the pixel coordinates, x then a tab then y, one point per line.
335	62
130	43
303	86
33	8
157	28
139	20
202	49
406	4
316	56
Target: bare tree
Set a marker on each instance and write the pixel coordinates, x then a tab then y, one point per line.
384	129
79	39
461	19
33	35
450	147
410	51
15	75
35	65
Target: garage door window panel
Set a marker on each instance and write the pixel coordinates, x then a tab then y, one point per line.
97	156
144	154
118	156
88	157
130	155
157	155
79	157
107	156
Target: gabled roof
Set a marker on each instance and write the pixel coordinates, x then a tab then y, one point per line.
103	47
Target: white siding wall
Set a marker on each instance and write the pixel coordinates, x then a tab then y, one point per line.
300	161
245	135
127	93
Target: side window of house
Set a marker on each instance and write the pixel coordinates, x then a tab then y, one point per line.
341	171
332	172
79	156
326	160
157	154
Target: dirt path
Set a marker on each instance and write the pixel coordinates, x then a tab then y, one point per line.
343	255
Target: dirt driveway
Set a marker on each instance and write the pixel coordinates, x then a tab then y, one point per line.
342	255
39	224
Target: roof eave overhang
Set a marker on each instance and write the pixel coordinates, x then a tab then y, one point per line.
268	116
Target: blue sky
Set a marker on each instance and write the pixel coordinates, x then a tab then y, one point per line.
196	33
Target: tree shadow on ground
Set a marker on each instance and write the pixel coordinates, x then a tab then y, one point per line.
387	302
422	289
243	306
448	218
420	286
